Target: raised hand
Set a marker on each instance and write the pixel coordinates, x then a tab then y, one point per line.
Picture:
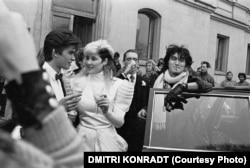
131	68
103	102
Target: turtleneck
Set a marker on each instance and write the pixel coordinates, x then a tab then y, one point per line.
97	77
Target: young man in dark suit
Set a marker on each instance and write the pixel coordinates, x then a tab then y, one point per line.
134	127
59	52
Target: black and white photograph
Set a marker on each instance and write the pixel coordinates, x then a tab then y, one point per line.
124	82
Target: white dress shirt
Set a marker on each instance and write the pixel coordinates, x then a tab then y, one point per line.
55	84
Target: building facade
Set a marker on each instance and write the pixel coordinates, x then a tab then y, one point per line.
217	31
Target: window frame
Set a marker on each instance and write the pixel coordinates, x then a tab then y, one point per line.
56	14
72	14
154	34
76	12
225	50
248	61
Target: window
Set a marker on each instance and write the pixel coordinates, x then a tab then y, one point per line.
77	15
148	34
85	6
60	20
83	28
248	60
222	53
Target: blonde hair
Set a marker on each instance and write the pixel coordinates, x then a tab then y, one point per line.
153	63
105	51
96	46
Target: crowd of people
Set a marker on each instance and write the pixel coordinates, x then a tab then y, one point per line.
228	82
154	69
100	106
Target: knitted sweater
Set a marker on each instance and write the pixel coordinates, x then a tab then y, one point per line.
55	145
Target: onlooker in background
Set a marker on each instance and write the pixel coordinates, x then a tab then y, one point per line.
151	73
228	82
242	77
117	61
138	71
134	127
79	60
160	65
204	75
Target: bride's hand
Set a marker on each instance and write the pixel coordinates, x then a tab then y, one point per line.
103	103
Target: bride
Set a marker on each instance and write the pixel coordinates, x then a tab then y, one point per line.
105	99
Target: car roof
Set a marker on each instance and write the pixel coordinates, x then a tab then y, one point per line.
238	90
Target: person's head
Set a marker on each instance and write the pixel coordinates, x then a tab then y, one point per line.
242	77
59	47
160	64
229	75
151	66
204	66
177	59
98	57
116	56
129	56
79	58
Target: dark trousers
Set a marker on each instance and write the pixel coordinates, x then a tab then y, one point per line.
133	132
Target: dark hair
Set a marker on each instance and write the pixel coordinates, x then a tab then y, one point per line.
116	55
181	51
104	53
58	40
79	57
130	50
228	72
242	74
207	63
160	62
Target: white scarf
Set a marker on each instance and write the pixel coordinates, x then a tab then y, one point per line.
159	116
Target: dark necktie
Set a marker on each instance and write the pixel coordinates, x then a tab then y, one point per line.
59	77
132	78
